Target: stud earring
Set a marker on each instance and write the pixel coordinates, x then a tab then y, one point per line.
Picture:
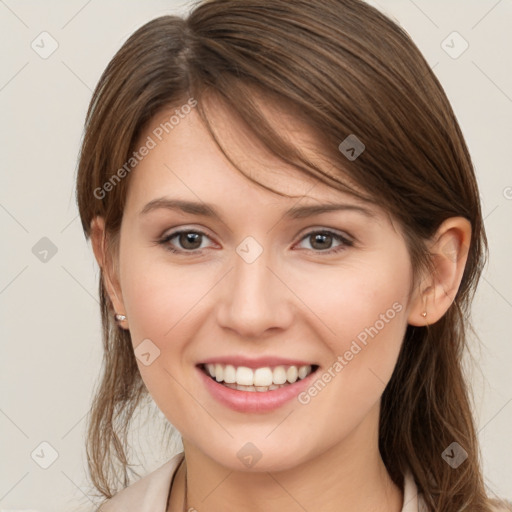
424	314
119	317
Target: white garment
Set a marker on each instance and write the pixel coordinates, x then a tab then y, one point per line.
150	493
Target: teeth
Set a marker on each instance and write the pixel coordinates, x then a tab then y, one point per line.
292	374
262	377
259	379
304	371
244	376
279	375
229	374
254	388
219	373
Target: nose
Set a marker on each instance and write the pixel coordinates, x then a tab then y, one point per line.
254	298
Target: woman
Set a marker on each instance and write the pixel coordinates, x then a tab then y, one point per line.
288	227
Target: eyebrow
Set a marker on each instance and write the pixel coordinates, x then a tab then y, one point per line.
208	210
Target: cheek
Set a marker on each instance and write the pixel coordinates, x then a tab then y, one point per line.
159	297
160	300
357	298
365	309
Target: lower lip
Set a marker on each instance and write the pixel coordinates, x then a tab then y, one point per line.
254	401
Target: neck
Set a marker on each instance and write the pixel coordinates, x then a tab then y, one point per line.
349	476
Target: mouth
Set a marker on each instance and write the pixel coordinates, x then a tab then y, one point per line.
262	379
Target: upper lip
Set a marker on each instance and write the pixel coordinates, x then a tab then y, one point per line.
258	362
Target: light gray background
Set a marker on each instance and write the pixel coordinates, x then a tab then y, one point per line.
51	345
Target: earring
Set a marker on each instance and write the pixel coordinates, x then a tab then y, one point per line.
424	314
119	317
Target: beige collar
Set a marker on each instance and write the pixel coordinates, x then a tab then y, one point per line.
150	493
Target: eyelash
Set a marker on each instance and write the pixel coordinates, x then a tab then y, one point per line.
345	242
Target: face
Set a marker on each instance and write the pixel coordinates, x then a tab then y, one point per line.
311	304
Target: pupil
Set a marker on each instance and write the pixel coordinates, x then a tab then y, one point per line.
189	238
321	237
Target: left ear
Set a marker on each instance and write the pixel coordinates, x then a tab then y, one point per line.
449	249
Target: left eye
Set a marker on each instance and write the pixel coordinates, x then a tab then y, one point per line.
322	239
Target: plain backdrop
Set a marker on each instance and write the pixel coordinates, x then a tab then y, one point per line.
51	338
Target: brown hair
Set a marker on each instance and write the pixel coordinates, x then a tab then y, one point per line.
345	68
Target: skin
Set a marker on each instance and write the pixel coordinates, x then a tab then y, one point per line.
294	300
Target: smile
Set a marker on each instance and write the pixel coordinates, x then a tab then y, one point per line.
261	379
255	390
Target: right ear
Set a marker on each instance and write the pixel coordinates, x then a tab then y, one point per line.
108	270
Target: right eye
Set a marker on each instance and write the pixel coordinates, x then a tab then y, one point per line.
187	238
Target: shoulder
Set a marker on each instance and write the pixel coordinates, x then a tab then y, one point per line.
147	494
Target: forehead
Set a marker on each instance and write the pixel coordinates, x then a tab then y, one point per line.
185	161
